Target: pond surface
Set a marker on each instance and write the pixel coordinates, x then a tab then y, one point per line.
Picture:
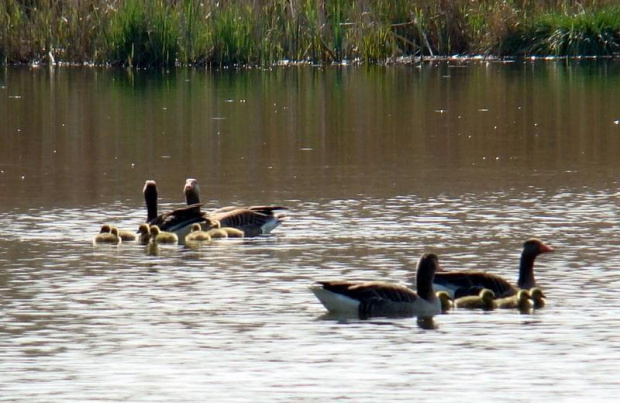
377	165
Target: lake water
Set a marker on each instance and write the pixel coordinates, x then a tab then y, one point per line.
377	165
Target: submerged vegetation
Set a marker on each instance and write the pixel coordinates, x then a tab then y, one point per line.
139	33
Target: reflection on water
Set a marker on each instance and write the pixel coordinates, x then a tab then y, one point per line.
377	167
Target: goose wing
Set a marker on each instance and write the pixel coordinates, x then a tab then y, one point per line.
176	219
471	283
251	221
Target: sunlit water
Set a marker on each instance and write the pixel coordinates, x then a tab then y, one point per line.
234	320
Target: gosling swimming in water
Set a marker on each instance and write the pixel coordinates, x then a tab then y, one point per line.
538	297
521	301
108	235
159	236
485	300
446	301
197	234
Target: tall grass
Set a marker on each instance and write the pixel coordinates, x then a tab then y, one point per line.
140	33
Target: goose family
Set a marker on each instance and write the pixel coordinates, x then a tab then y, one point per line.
437	291
377	298
462	283
253	221
178	221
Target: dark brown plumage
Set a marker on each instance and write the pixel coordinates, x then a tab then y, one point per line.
462	283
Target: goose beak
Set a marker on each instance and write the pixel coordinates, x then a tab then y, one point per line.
544	248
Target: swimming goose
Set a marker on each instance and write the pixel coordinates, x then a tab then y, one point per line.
538	297
253	221
461	283
197	234
521	301
178	221
446	301
377	298
484	300
159	236
145	234
108	235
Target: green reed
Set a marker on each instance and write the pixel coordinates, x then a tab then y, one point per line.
141	33
585	33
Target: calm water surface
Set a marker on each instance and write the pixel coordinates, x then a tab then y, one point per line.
377	166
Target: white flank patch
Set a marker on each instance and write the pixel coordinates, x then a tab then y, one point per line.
336	303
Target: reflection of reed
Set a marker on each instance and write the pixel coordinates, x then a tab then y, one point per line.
353	132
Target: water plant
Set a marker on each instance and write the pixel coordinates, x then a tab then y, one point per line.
139	33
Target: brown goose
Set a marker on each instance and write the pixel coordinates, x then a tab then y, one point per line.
461	283
253	221
484	300
377	298
178	221
107	235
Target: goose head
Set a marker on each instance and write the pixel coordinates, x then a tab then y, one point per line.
191	191
534	247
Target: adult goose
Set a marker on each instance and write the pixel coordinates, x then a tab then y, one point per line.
377	298
178	221
461	283
253	221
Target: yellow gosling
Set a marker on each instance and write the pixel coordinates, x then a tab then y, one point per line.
216	233
485	301
145	234
197	234
233	232
520	301
446	301
159	236
127	236
110	238
538	297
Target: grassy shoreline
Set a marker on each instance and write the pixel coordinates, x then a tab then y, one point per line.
163	33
